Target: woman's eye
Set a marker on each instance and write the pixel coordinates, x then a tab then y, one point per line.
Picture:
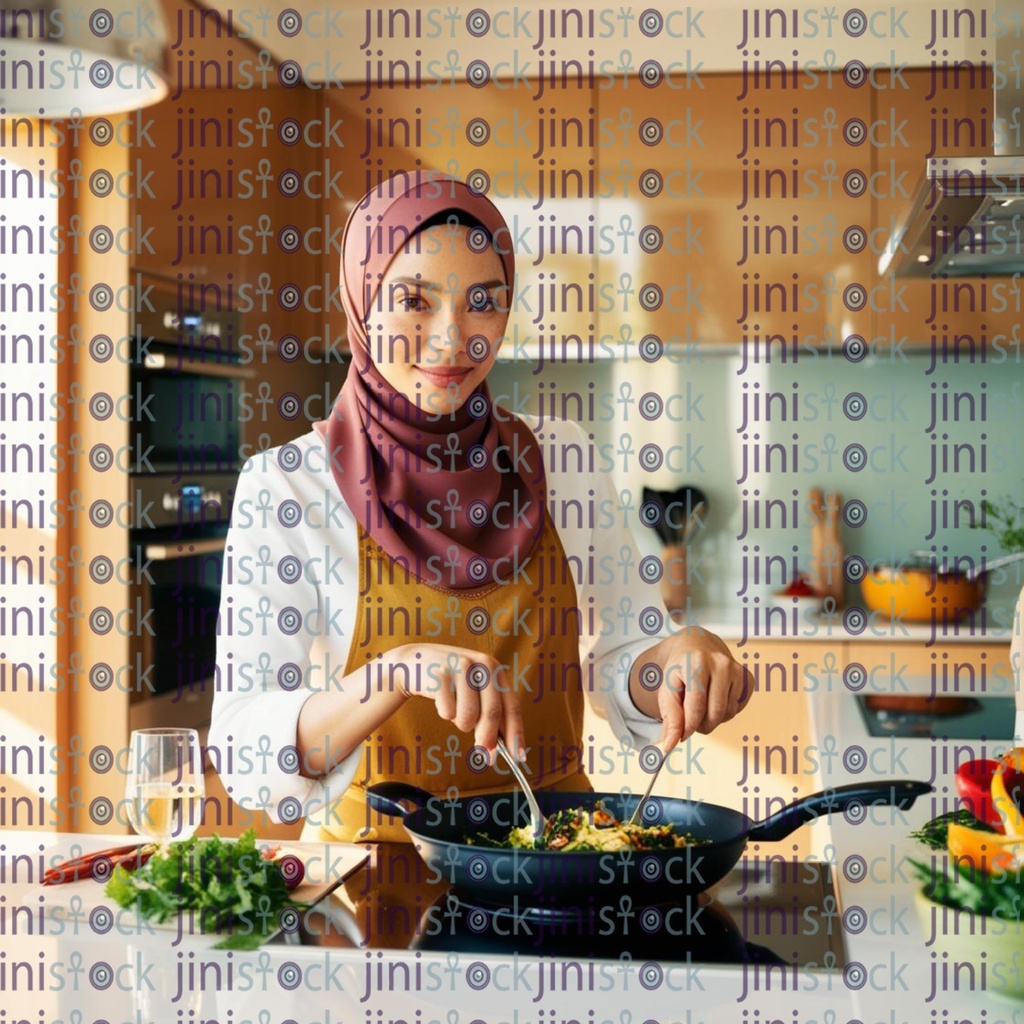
413	303
480	298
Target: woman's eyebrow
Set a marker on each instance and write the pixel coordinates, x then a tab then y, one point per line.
415	282
418	282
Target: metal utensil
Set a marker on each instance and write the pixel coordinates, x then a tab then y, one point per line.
674	511
996	563
537	820
649	752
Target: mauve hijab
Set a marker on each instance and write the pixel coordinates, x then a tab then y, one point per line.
401	468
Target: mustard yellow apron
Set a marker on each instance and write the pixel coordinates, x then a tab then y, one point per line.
530	625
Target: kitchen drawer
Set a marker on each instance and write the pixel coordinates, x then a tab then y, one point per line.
943	668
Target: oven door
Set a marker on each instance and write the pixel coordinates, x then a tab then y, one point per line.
177	587
187	411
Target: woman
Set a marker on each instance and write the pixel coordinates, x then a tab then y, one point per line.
402	553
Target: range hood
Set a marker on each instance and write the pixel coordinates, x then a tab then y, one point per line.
967	213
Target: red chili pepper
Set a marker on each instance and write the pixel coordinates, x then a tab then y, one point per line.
129	857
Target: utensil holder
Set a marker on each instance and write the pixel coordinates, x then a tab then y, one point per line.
673	579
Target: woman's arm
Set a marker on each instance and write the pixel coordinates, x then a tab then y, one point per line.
333	723
283	728
270	614
700	685
1017	667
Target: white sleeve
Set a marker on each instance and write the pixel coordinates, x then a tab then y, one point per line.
1017	668
270	612
613	597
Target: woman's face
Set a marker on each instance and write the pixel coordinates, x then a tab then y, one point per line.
437	319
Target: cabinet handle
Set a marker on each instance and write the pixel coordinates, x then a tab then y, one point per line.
159	361
168	552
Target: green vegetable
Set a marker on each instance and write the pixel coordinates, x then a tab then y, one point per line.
934	834
565	827
228	886
959	885
999	894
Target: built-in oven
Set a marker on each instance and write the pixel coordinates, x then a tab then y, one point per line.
187	382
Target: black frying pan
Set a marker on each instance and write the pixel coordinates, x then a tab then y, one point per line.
440	827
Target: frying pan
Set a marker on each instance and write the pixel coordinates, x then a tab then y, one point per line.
440	827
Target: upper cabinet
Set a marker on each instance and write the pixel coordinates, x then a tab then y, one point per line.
746	224
701	210
234	215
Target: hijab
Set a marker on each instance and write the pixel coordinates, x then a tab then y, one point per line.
428	486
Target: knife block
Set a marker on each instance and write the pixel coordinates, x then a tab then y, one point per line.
673	579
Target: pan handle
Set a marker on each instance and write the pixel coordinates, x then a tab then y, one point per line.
810	808
384	797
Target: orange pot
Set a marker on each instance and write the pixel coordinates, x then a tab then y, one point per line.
917	593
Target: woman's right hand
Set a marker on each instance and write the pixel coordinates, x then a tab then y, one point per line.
469	688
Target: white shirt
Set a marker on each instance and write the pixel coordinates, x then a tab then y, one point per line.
290	599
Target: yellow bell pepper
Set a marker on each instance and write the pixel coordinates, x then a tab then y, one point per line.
986	851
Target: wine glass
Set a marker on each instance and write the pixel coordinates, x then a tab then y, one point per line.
165	786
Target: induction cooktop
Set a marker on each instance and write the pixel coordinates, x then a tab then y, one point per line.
928	717
768	911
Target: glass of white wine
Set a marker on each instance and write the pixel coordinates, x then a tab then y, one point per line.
165	786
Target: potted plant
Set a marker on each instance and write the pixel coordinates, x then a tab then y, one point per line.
1006	522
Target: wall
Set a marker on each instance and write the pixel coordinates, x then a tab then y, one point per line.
808	398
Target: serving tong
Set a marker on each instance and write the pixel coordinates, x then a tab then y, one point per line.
636	818
538	823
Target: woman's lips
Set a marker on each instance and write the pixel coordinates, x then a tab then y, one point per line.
442	378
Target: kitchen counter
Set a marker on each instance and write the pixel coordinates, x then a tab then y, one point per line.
890	973
739	624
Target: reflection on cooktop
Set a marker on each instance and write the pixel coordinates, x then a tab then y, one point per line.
932	717
768	911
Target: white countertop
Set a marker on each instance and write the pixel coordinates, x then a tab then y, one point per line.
737	622
895	962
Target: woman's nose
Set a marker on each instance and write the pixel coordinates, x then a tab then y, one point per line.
452	338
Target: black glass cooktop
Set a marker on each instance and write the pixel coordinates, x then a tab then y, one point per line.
771	912
928	717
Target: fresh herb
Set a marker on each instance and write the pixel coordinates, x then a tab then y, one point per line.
1004	520
994	894
228	886
935	832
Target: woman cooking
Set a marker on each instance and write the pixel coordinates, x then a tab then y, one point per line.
396	594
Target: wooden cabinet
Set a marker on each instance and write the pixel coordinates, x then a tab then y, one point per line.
747	194
233	213
940	670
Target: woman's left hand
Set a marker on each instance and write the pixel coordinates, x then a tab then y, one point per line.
694	686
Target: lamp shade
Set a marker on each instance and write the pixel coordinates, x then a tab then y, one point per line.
58	59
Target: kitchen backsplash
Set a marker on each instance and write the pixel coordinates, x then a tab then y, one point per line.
934	441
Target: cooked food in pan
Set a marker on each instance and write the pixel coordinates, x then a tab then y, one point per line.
578	829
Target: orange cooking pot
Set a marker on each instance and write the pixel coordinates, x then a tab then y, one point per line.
920	587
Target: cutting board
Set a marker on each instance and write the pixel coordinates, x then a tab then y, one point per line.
327	866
